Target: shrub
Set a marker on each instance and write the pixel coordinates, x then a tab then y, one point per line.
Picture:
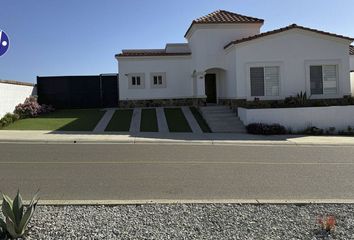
2	234
300	100
31	108
16	216
8	119
5	121
257	104
266	129
313	131
348	132
47	108
327	223
13	116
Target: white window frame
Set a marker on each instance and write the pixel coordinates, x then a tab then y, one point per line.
322	63
323	80
162	75
264	65
133	76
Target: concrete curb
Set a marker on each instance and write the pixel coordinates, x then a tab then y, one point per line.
46	137
194	201
176	142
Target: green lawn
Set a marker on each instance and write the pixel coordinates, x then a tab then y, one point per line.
176	120
201	121
120	121
61	120
148	121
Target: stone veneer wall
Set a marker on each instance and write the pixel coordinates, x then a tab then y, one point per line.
232	103
162	102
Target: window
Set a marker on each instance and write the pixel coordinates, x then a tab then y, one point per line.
158	80
264	81
323	79
136	80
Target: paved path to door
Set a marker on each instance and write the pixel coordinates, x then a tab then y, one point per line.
135	123
136	120
102	124
191	120
161	120
177	172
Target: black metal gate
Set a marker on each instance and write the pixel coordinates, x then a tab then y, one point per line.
109	90
79	91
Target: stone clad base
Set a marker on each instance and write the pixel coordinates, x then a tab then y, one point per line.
232	103
162	102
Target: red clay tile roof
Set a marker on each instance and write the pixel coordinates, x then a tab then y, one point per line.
150	54
351	50
293	26
222	16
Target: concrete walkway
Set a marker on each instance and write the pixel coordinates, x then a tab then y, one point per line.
191	120
161	120
102	124
171	138
135	123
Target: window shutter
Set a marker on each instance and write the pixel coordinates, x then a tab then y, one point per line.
257	81
316	80
271	79
329	79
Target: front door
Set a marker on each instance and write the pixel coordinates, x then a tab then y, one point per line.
210	88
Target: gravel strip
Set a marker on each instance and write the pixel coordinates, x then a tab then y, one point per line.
189	221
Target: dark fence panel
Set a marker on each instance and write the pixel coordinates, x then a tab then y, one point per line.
109	91
78	91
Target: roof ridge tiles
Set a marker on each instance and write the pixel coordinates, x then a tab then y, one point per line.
283	29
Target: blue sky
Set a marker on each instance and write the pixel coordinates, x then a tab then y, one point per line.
64	37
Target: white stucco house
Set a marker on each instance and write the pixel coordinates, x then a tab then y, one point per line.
227	58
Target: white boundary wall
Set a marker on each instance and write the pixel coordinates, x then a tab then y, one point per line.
299	119
13	94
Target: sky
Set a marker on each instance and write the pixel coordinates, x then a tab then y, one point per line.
81	37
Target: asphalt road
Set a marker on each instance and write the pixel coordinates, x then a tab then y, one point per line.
177	172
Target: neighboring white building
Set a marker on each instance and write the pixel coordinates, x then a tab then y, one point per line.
227	59
13	93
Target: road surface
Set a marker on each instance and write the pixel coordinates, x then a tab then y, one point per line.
177	172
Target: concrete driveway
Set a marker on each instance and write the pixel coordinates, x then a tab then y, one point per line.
177	172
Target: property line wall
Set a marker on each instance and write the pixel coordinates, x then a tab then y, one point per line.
299	119
13	94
